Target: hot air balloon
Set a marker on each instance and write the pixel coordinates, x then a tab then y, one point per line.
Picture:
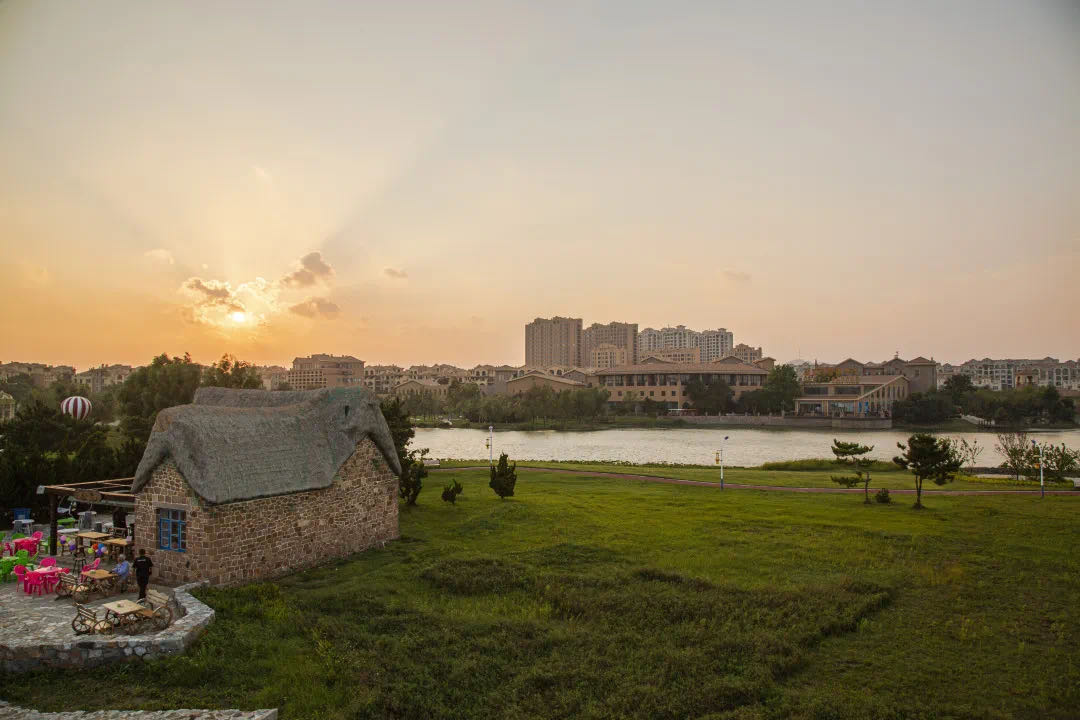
76	406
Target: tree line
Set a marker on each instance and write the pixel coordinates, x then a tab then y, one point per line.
1031	405
43	446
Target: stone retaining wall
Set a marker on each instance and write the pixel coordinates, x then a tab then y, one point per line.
790	421
12	712
191	620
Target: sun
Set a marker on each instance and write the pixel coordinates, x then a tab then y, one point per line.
238	317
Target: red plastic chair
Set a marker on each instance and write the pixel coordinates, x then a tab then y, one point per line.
48	562
91	566
31	582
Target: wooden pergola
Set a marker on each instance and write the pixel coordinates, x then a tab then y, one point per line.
112	493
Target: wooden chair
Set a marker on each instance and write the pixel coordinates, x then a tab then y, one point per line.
86	621
156	609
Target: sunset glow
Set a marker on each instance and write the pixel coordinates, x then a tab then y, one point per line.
825	182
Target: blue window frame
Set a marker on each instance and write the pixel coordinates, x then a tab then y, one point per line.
172	530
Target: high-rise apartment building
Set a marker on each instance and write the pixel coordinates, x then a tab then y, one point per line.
319	371
620	334
555	341
714	344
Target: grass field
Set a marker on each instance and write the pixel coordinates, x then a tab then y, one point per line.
812	476
597	597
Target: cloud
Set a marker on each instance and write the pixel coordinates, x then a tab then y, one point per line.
396	274
316	307
312	269
160	255
736	277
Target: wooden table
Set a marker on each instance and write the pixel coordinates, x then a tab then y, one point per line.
100	581
116	547
88	535
124	615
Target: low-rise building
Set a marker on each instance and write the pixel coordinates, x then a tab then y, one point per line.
532	379
747	354
273	376
859	395
607	355
97	379
7	407
665	383
433	388
382	379
320	371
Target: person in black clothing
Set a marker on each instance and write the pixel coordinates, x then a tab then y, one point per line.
142	571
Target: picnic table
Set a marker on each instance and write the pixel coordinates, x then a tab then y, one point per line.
125	615
117	547
102	582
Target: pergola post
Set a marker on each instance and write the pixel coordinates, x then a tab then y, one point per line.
54	500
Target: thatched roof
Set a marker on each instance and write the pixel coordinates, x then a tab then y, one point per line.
235	445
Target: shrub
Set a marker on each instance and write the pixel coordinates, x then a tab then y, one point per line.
503	478
882	496
451	491
412	477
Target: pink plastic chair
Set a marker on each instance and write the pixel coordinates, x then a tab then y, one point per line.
91	566
37	536
31	583
48	562
8	549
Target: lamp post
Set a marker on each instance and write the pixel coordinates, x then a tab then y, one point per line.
491	445
1042	485
720	461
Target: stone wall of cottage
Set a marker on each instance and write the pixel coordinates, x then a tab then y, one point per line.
256	539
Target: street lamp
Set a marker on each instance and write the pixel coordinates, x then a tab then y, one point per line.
1042	485
720	461
491	445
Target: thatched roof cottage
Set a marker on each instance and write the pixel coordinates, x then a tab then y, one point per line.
249	484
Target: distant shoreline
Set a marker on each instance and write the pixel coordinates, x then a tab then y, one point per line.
675	423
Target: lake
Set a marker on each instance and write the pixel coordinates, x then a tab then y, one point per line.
745	446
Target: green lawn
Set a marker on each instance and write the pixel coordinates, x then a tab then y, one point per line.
597	597
891	479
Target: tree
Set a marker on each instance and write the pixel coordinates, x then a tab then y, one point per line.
715	397
854	455
412	477
283	386
783	387
451	491
1058	461
928	458
958	386
968	451
164	383
1016	450
503	478
228	372
927	408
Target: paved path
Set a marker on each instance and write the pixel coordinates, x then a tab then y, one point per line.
743	486
12	712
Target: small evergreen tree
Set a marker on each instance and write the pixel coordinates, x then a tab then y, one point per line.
412	476
854	455
928	457
503	478
451	491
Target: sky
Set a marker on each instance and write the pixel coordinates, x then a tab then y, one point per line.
413	182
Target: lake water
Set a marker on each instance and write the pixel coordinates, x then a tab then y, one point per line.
745	446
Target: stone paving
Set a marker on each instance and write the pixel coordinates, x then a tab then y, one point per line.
11	712
36	630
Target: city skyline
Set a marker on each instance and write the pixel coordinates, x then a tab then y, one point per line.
411	185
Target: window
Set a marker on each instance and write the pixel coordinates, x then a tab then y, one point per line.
172	529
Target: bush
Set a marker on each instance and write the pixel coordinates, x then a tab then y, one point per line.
882	496
413	472
503	478
451	491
